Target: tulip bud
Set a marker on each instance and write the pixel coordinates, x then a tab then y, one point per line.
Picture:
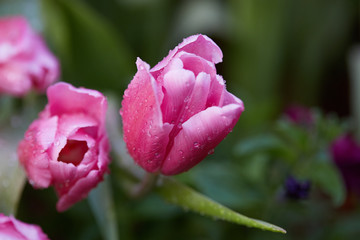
176	113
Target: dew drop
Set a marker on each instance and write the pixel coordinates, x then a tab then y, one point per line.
196	145
211	151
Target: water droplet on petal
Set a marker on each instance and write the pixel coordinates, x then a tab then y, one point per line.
196	145
211	151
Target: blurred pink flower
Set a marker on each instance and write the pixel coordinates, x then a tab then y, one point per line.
346	155
67	146
176	113
12	229
25	61
299	115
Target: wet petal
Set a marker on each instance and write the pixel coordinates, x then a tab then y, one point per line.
199	136
197	100
144	132
178	85
79	190
199	45
66	99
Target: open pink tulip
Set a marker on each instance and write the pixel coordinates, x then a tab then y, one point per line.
13	229
67	146
176	113
25	61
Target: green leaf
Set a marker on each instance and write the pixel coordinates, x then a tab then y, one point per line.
92	51
181	195
102	205
12	176
325	175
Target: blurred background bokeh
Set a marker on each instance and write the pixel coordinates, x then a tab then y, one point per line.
277	54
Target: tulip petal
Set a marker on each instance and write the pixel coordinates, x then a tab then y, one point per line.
66	99
217	89
46	132
34	159
196	64
28	231
197	100
79	190
144	132
199	45
178	85
199	136
202	46
62	172
14	79
69	125
14	37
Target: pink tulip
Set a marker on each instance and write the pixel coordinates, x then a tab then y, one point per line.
25	61
176	113
67	146
12	229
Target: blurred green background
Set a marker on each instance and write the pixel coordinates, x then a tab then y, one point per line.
276	53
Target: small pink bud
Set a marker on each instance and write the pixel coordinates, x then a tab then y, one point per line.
67	146
176	113
11	228
25	61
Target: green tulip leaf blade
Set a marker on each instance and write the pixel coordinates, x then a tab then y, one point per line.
181	195
103	207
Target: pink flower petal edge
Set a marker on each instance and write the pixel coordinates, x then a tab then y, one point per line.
11	228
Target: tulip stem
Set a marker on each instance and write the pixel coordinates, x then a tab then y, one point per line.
144	187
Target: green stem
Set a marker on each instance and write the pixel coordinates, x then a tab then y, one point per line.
145	186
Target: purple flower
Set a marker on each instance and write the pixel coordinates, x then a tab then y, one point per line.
295	189
346	155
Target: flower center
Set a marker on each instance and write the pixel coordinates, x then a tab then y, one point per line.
73	152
